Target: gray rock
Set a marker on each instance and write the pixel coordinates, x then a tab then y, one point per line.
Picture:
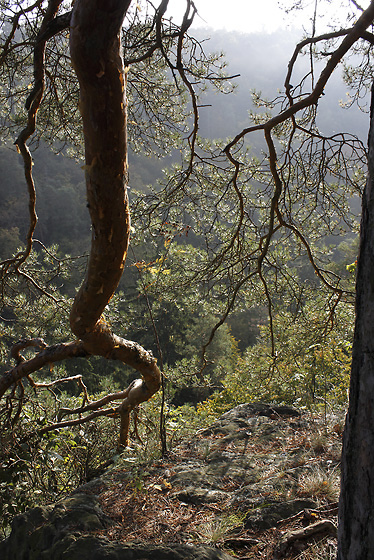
243	412
60	533
217	467
38	530
233	464
248	417
97	548
193	495
267	515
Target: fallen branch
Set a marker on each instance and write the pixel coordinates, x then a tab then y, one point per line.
319	530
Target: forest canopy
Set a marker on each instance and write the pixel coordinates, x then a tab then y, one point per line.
212	242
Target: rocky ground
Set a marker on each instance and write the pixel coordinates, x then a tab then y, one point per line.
261	482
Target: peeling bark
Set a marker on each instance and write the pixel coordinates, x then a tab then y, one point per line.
96	57
95	28
95	53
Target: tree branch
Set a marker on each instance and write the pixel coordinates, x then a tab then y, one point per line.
350	38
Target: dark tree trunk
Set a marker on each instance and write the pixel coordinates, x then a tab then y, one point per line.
356	507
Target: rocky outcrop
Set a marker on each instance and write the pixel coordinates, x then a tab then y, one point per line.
66	531
248	464
224	458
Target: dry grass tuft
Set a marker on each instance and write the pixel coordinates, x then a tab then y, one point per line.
320	484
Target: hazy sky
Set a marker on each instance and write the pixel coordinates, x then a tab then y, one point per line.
258	15
243	15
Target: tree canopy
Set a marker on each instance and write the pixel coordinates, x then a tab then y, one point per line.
106	75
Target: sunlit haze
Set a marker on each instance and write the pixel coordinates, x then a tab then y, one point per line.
250	16
242	15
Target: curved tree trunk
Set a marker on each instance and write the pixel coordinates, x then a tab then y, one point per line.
356	507
95	27
96	57
95	53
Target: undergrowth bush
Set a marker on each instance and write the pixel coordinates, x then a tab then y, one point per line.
38	469
309	369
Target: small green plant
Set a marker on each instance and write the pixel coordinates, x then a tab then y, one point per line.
38	469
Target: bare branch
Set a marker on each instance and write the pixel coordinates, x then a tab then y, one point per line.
15	23
49	354
32	105
79	421
26	343
349	40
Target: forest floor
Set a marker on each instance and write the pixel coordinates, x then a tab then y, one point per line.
259	483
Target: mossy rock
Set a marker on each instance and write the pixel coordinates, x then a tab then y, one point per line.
267	515
35	532
62	532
